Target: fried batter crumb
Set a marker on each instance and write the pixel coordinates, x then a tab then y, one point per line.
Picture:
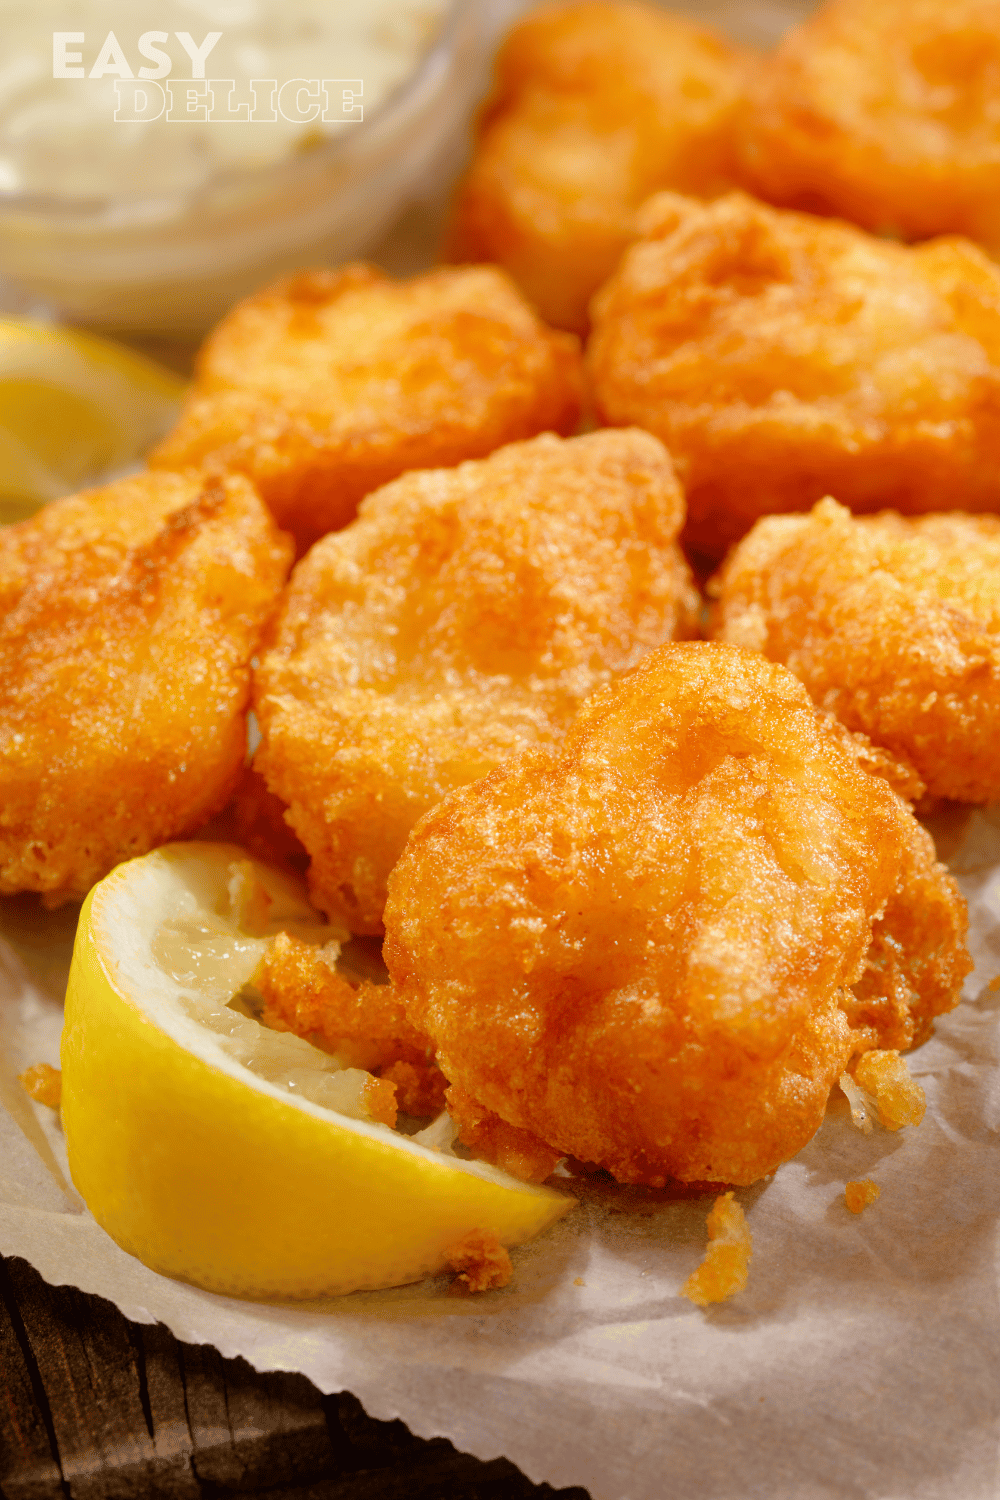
513	1150
858	1195
898	1097
994	983
579	1281
481	1261
420	1087
725	1268
43	1083
304	993
378	1096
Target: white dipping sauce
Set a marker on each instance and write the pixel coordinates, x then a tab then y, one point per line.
59	135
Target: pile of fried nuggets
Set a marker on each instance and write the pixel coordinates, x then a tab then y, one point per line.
646	896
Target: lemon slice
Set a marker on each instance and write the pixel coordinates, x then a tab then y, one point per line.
73	408
195	1135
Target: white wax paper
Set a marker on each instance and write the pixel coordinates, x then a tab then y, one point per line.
863	1360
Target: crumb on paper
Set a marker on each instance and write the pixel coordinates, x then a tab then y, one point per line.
579	1281
481	1261
994	983
43	1083
378	1096
858	1195
886	1079
725	1269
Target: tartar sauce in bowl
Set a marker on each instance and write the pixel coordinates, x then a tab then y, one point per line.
157	162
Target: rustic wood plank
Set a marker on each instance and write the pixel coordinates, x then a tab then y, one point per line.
86	1359
131	1413
28	1469
254	1431
456	1476
165	1405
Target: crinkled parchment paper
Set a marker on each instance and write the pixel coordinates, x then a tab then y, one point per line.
862	1360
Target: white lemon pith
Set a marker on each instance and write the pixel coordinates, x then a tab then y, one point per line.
190	1130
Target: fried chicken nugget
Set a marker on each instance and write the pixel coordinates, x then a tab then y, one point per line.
128	617
594	106
466	613
638	944
892	623
330	383
885	112
782	358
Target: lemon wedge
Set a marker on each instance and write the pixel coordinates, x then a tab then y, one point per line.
73	408
204	1143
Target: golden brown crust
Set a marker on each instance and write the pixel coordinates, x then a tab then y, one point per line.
466	613
884	112
782	358
330	383
892	623
635	945
594	106
128	618
726	1267
304	993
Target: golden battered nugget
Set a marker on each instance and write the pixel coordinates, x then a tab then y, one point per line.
594	106
638	944
466	613
128	617
892	622
886	112
782	358
329	383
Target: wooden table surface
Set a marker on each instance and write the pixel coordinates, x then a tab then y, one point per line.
93	1407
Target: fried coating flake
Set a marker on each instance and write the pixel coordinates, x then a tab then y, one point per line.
481	1261
886	1079
466	613
330	383
128	618
782	358
43	1083
594	106
859	1195
892	623
726	1267
885	112
304	993
637	944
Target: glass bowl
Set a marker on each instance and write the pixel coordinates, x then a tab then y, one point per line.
172	264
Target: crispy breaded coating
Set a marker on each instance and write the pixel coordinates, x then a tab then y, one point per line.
782	358
43	1083
635	944
859	1195
303	992
892	623
465	614
330	383
898	1097
481	1261
884	112
594	106
128	618
515	1151
726	1267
